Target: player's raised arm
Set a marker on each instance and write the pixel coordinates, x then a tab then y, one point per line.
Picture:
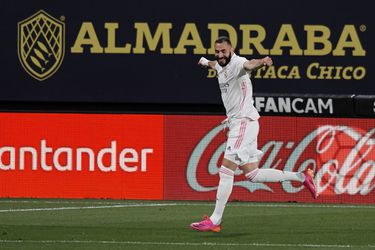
206	63
255	64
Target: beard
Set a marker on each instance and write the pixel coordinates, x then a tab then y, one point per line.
224	62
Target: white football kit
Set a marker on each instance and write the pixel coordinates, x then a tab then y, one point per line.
241	146
242	116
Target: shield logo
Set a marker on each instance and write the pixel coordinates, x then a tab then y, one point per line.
41	44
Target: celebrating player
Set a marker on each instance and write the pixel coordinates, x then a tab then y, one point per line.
242	121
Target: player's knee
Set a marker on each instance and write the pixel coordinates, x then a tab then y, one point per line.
231	164
252	175
248	167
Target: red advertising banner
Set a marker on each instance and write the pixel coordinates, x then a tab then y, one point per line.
81	156
177	157
342	152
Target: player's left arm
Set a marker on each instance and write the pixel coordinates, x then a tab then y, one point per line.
254	64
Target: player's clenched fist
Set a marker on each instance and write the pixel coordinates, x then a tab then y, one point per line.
203	62
267	61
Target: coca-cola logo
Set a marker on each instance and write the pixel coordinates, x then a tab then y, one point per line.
342	157
346	158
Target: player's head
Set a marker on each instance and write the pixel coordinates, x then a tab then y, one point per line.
223	50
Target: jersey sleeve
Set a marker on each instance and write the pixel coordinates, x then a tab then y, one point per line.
239	66
217	67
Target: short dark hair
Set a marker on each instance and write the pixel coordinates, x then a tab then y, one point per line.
222	39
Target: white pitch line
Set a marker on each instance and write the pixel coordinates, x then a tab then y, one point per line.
180	204
60	202
80	207
303	205
254	244
236	204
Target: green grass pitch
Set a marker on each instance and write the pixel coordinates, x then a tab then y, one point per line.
115	224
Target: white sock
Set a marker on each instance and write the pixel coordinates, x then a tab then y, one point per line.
274	175
223	192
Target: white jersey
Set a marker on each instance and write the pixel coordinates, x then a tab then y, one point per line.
236	89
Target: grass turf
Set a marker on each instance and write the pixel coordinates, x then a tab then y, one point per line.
110	224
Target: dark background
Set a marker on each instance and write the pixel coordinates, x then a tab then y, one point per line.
154	78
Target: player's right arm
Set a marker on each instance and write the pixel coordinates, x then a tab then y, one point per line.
255	64
206	63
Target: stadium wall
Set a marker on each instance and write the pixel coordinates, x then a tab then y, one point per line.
176	157
142	52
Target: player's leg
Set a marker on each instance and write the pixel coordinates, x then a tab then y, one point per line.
224	190
226	174
249	151
241	131
225	186
256	175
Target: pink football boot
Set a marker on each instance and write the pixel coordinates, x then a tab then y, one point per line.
309	183
205	225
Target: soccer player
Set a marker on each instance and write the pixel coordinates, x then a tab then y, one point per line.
242	121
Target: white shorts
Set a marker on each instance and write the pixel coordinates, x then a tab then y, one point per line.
241	147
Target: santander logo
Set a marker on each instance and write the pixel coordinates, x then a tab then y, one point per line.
343	158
